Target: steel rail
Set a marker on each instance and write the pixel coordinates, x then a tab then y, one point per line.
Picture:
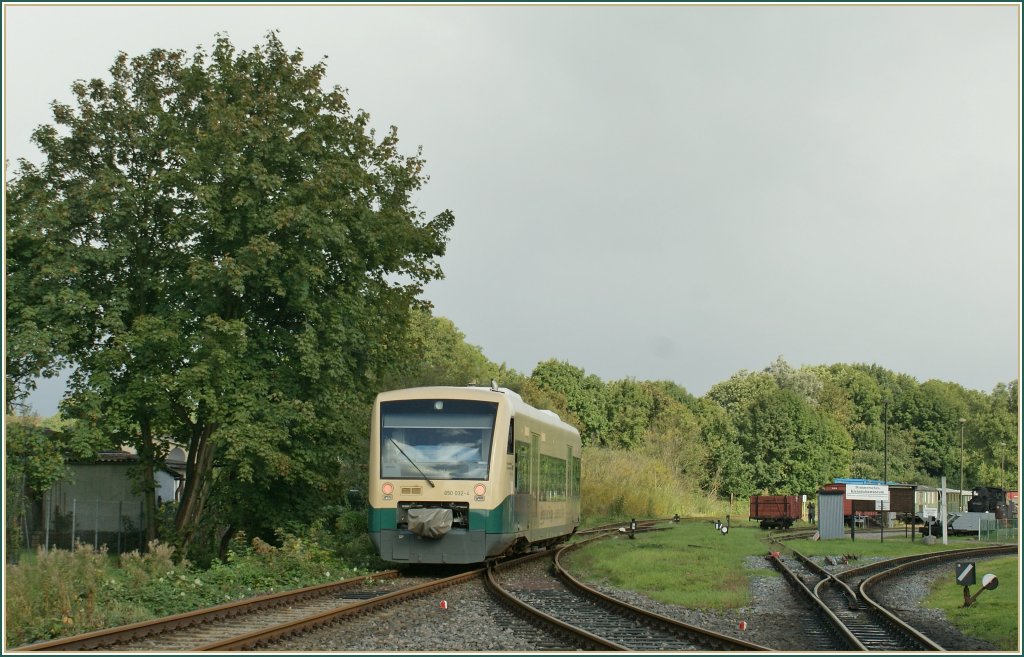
120	634
888	568
549	622
832	579
942	555
826	578
819	605
270	634
872	580
699	635
135	631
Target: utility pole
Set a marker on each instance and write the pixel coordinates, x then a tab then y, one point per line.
885	469
885	462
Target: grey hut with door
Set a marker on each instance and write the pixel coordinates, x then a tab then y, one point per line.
830	514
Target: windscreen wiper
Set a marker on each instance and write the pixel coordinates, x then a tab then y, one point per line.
413	462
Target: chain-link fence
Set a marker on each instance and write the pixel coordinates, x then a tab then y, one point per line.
998	530
58	522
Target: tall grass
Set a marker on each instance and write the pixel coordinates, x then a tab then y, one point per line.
616	483
995	615
60	592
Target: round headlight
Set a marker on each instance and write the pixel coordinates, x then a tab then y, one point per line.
387	488
479	489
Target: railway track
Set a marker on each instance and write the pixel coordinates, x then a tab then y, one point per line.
252	622
538	586
563	614
265	620
804	576
851	618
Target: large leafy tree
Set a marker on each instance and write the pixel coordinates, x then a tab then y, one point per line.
729	469
674	436
440	356
787	442
630	408
227	255
585	395
792	446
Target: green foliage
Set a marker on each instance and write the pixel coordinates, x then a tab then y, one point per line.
655	564
212	241
785	430
786	443
439	355
585	397
790	430
60	593
35	456
615	483
995	616
728	470
57	593
630	407
741	390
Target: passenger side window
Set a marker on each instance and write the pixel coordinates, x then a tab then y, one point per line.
522	467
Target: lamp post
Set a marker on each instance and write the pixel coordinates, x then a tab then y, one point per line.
960	495
885	461
885	466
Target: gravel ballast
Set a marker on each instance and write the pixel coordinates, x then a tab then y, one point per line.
470	620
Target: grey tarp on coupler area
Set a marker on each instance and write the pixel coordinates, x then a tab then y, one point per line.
430	523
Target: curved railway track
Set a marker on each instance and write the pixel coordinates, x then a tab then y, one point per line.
538	586
262	620
562	613
851	618
271	619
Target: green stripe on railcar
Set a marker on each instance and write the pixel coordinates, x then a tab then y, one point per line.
492	521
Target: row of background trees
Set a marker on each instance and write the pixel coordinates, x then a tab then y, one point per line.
778	430
229	259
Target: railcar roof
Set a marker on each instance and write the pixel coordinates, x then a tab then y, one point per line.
519	406
427	391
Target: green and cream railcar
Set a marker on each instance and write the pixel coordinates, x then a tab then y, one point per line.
462	475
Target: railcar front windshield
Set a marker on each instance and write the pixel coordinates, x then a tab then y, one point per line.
436	438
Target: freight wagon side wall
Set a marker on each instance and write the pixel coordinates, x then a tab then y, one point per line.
771	507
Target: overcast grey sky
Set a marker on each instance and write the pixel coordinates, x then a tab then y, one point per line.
662	191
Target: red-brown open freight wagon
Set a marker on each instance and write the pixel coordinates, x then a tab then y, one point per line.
775	511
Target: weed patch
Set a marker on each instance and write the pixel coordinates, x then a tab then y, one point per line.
996	613
692	564
61	593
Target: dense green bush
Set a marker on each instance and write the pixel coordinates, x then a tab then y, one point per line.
60	592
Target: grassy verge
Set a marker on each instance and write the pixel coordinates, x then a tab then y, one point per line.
61	593
995	616
695	566
663	565
890	548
